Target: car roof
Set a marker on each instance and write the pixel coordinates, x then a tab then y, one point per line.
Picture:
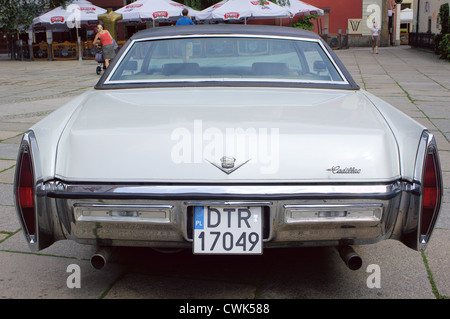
221	29
224	29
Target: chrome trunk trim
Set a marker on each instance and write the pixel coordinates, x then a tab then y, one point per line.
224	191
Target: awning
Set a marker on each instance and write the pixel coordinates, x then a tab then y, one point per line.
406	16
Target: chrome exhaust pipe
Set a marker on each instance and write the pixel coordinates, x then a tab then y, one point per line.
100	257
350	257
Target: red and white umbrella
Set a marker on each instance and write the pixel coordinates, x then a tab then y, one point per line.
206	13
143	10
75	13
237	9
302	8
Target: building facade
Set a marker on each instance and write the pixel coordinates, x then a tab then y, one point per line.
356	18
427	16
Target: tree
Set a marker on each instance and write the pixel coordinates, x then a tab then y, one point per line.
305	22
442	40
444	18
16	16
199	4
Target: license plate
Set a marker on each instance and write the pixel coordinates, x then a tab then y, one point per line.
227	230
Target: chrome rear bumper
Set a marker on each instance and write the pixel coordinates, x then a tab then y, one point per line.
161	215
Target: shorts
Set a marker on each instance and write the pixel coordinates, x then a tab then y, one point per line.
376	40
108	52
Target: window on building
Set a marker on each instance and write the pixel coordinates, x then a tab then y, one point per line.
405	6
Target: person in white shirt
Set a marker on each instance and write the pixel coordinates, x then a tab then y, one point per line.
375	38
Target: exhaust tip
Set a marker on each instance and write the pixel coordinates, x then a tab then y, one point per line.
350	257
354	262
98	262
100	258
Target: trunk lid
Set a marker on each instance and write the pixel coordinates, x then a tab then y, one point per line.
181	135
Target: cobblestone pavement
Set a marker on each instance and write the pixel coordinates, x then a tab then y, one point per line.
415	81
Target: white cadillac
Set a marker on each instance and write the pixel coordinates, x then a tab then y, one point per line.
227	139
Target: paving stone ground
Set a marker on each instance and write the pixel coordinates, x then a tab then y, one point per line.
415	81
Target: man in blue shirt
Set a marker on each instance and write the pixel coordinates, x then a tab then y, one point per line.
185	20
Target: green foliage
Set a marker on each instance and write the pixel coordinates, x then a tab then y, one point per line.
282	2
194	4
444	18
198	4
306	22
444	47
16	16
442	40
55	3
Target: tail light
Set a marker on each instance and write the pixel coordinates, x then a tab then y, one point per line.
25	193
431	193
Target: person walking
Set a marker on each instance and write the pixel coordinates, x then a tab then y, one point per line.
185	20
375	38
107	44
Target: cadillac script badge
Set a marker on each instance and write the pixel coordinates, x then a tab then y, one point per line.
345	170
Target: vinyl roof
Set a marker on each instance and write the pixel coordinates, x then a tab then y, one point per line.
224	29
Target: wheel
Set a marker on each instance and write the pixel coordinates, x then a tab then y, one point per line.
99	70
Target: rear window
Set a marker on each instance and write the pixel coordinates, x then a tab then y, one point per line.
225	58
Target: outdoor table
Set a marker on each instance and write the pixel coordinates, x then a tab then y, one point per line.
89	50
65	51
40	51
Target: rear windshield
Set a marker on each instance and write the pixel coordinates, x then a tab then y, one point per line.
225	58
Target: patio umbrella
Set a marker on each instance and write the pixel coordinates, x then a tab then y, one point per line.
237	9
75	13
299	7
206	13
406	16
142	10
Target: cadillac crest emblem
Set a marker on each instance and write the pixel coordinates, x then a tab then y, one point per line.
227	164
